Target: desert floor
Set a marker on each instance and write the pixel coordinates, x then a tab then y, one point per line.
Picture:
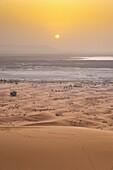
56	126
57	104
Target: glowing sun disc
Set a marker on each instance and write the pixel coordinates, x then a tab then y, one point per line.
57	36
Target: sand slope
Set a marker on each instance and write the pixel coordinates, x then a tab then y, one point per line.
55	148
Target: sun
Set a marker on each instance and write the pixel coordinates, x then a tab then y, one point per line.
57	36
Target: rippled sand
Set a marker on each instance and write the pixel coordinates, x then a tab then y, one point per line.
57	104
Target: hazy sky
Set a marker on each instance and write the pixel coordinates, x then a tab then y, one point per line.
84	25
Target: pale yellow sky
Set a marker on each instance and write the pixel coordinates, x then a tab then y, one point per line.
84	25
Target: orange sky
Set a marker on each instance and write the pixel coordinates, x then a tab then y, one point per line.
83	24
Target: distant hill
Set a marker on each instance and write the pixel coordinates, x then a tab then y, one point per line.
26	49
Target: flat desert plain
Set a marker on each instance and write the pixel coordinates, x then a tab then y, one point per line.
58	125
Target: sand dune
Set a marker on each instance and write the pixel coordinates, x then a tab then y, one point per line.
57	104
56	126
58	148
